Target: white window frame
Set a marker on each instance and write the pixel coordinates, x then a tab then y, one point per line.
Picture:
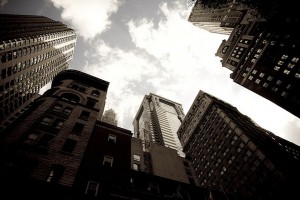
112	137
89	188
108	159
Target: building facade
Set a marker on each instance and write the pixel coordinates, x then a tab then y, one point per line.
264	58
33	49
217	20
47	145
231	153
157	121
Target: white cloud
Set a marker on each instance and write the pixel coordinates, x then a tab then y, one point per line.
124	71
88	17
175	59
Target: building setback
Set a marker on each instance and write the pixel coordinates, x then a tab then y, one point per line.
157	121
33	49
231	153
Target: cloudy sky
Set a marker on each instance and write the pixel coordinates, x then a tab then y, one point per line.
142	47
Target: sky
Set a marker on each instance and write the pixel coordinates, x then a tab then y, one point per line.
142	47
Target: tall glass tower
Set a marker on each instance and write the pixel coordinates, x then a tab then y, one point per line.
157	121
33	49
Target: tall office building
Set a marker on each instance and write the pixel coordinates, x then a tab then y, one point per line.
110	117
264	58
157	121
220	20
33	49
231	153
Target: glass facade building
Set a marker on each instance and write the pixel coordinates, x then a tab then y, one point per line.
33	49
157	121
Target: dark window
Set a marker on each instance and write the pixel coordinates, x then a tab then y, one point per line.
78	127
67	111
70	97
46	121
57	107
95	93
58	123
69	145
55	174
91	102
45	140
84	115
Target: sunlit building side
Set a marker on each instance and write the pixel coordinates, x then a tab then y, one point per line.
157	121
33	49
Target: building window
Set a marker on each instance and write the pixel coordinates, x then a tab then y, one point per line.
295	59
78	127
284	57
265	85
261	75
57	107
136	157
112	138
95	93
78	87
45	140
92	188
55	174
291	66
32	138
270	78
136	166
91	102
84	115
257	81
277	68
67	111
108	161
58	123
69	145
284	94
46	121
278	82
286	71
250	77
70	97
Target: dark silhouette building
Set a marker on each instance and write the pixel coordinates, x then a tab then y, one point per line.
33	49
230	153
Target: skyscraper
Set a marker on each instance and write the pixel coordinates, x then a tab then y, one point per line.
157	121
220	20
264	58
33	49
110	117
231	153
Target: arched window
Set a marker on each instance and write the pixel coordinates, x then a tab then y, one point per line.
70	97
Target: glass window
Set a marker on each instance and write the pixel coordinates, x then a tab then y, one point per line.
78	127
55	174
92	188
67	111
136	166
112	138
136	157
46	121
84	115
58	123
69	145
108	161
